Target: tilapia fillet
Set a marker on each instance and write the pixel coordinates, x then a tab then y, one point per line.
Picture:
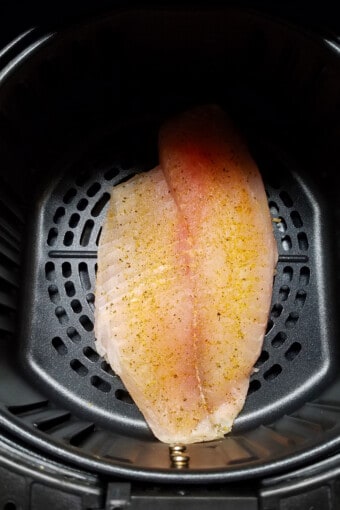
185	272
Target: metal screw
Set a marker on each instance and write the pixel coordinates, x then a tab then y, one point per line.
179	459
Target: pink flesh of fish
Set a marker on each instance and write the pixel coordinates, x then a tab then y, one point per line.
185	271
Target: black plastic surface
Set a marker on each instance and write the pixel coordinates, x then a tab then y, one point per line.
296	356
87	103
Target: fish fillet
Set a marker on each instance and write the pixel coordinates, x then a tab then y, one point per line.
185	271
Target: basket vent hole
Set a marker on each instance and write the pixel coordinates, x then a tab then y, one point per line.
254	386
59	214
281	225
52	236
86	233
82	204
93	190
123	396
303	241
286	199
100	384
84	276
66	269
300	298
293	351
73	334
59	345
284	292
279	339
68	238
10	506
99	206
74	220
86	323
296	219
79	367
286	243
53	292
50	271
304	276
107	368
69	288
98	236
90	354
276	311
69	196
291	320
90	299
262	359
287	274
270	325
76	306
274	209
110	174
82	178
61	315
273	372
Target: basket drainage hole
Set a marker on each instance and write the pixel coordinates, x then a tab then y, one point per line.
90	354
274	209
276	311
74	220
69	288
99	206
284	292
286	243
52	236
76	306
53	293
61	315
286	199
262	359
291	320
59	346
279	339
296	219
66	269
304	276
269	326
73	334
287	275
58	215
123	396
78	367
107	368
93	189
293	351
273	372
50	271
82	204
69	196
303	241
9	506
100	384
86	323
254	386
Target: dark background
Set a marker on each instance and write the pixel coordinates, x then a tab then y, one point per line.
17	16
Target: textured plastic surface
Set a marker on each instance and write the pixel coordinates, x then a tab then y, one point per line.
83	111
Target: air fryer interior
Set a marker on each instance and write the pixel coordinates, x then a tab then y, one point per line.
81	113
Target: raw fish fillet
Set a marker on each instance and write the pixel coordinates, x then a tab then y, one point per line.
185	272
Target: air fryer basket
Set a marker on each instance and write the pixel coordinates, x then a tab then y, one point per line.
79	112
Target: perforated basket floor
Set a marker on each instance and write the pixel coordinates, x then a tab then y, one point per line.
59	338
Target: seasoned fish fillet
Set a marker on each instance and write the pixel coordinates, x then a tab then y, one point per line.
185	271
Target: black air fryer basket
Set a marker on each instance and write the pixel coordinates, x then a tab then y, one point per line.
80	110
